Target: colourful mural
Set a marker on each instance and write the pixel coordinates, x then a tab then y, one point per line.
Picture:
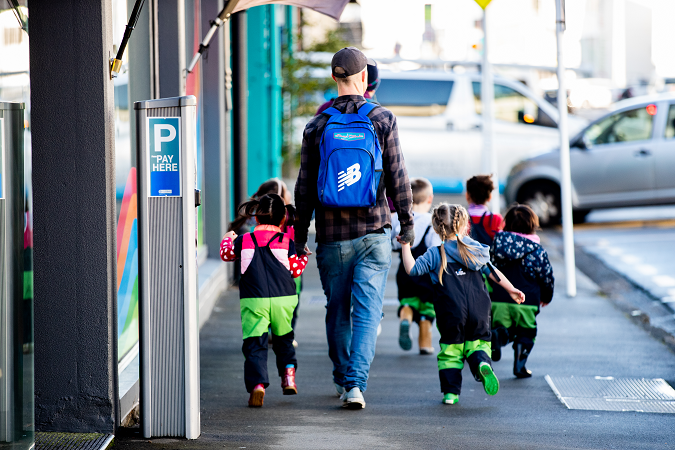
127	269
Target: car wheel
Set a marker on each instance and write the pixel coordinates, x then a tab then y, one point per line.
544	199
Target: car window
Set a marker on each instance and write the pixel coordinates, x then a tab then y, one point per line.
414	97
670	125
512	106
626	126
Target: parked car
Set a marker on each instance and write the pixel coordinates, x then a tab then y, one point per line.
625	158
439	123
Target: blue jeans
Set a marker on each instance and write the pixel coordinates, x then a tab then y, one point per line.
354	275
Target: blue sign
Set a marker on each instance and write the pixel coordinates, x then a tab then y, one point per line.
164	156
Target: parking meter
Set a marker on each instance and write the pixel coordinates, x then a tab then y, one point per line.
167	275
15	370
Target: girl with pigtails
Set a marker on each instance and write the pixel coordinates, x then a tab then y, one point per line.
243	224
267	290
462	303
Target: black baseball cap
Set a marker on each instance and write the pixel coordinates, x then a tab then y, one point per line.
347	62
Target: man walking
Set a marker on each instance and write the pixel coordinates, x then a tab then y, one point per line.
354	242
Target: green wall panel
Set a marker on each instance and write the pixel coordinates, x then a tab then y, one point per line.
264	95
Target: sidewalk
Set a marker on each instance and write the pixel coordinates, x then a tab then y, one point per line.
583	337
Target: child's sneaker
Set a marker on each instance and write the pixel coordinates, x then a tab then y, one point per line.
257	396
404	335
339	390
288	382
488	378
450	399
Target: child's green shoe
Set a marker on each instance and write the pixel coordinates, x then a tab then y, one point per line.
488	378
450	399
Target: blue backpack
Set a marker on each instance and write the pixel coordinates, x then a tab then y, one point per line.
351	160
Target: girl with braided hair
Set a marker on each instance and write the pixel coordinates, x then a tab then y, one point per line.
462	303
269	265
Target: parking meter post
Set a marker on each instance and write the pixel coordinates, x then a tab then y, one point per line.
565	172
12	205
167	275
490	163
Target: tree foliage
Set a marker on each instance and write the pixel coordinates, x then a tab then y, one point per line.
303	93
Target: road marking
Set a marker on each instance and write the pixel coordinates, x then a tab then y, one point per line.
646	269
664	281
630	259
665	223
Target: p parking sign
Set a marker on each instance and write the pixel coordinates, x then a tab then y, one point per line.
164	156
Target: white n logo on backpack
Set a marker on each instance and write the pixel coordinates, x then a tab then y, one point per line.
349	177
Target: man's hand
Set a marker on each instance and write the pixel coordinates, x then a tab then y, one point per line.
406	237
302	250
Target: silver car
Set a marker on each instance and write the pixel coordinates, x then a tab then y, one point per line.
625	158
438	115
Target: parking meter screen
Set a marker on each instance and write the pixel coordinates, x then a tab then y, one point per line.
164	156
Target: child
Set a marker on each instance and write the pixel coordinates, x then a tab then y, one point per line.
267	292
243	224
517	253
461	302
416	293
484	224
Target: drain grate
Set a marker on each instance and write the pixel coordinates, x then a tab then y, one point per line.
614	394
72	441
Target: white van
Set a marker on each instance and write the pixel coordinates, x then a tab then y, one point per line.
439	121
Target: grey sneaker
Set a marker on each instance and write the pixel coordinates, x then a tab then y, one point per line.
353	399
340	390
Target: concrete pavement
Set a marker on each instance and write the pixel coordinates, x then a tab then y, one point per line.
585	336
628	252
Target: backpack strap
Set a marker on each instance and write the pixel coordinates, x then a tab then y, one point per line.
331	111
424	236
253	239
281	238
366	108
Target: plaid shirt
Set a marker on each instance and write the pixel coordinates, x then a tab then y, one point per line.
334	224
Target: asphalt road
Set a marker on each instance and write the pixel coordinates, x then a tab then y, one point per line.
584	336
640	247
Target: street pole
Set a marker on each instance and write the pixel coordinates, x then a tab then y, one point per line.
490	164
240	110
565	173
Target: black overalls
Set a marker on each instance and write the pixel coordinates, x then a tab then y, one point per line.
416	292
268	297
463	317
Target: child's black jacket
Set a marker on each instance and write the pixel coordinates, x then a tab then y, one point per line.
525	263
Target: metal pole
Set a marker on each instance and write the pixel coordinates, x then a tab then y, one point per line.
565	173
490	164
223	16
240	111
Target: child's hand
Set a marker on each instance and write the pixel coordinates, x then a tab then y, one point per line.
517	296
402	242
230	234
